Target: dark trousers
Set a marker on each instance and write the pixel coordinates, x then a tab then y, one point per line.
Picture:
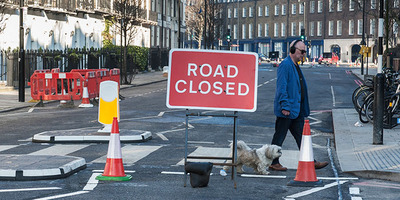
282	125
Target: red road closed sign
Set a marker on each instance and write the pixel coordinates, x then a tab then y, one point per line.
212	80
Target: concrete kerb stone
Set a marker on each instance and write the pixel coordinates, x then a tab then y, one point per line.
38	167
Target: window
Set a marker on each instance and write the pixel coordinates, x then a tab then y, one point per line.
283	29
293	9
276	10
266	30
330	23
229	13
235	13
259	30
351	6
373	4
301	8
339	27
372	26
259	11
312	28
243	31
266	11
284	9
235	32
319	30
244	12
293	29
320	4
359	27
339	5
331	6
250	31
250	11
276	29
312	6
301	25
351	27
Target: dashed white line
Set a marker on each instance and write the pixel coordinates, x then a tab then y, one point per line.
92	183
29	189
333	97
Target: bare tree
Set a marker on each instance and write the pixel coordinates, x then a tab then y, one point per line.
195	20
129	16
2	16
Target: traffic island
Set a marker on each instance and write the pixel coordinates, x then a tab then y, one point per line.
38	167
88	135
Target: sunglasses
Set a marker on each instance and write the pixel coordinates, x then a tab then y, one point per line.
302	51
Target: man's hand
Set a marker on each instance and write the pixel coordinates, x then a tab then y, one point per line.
285	112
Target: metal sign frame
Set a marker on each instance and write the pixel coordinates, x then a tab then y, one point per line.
233	158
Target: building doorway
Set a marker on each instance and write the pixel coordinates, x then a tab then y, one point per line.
355	52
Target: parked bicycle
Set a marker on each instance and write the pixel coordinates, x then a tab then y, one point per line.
363	99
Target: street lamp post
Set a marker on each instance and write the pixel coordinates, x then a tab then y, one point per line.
363	38
21	58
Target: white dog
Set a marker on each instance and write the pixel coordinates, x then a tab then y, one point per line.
258	159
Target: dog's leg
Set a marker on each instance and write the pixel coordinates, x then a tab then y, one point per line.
239	168
261	169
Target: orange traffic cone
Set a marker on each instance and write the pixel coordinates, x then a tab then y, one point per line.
305	175
85	99
114	169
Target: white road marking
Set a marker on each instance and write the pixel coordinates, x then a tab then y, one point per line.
31	110
25	140
60	150
260	176
162	136
310	191
173	173
29	189
131	154
160	114
6	147
316	121
354	190
63	195
333	97
330	76
92	182
200	142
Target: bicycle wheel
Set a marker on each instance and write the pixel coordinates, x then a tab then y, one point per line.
369	110
366	110
361	96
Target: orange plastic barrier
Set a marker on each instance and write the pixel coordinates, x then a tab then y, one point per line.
54	85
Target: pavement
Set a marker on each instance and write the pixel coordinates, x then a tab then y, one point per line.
354	146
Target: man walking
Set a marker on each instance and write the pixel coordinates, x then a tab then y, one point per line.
291	101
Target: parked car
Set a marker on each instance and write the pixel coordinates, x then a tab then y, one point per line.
328	58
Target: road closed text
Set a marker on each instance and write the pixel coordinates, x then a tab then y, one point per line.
211	80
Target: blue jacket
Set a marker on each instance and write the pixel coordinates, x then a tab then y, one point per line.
288	91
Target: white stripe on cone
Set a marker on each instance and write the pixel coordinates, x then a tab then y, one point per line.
85	99
306	154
